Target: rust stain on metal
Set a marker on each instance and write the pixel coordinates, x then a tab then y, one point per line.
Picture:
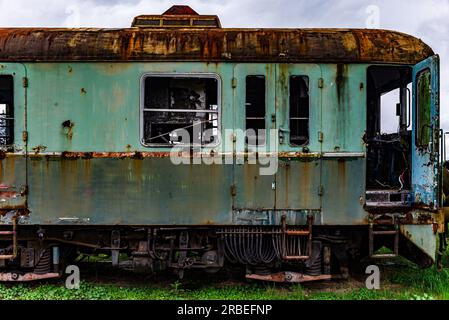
143	44
298	155
27	277
115	155
293	277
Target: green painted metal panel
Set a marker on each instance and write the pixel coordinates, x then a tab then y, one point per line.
298	180
344	191
253	191
128	191
102	100
344	107
284	72
298	184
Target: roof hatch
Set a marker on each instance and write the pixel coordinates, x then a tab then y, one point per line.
177	17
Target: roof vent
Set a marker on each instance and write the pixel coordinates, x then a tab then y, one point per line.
177	17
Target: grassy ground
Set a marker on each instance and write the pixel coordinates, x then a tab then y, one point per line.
400	280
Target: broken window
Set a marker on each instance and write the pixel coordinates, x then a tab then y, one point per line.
181	110
423	109
299	110
255	108
6	111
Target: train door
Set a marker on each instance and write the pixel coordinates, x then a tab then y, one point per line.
425	138
13	155
298	114
254	115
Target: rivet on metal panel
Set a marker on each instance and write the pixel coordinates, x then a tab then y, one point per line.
233	190
321	190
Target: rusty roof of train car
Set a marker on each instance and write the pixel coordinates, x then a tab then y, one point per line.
210	43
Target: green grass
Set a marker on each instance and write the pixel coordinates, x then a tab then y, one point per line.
398	282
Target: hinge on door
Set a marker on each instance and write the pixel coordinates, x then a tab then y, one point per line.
234	83
25	82
321	190
25	136
320	83
320	136
233	190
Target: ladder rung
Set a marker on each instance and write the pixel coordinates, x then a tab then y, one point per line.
387	255
7	257
12	233
7	233
298	233
385	232
296	257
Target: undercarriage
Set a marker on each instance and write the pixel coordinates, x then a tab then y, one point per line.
269	253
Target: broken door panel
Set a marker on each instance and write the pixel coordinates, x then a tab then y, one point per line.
425	137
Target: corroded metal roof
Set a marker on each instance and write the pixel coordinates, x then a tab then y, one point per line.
214	45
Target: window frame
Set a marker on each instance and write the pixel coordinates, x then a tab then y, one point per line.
418	135
194	75
266	110
289	111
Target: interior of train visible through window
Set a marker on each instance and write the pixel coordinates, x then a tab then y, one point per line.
299	110
388	135
180	108
255	108
6	111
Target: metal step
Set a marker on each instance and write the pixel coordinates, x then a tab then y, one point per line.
287	234
12	233
372	233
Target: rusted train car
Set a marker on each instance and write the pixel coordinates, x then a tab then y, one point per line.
90	119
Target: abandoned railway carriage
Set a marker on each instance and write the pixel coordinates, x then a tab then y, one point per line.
90	119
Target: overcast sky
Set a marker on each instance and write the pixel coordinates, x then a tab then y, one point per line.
426	19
